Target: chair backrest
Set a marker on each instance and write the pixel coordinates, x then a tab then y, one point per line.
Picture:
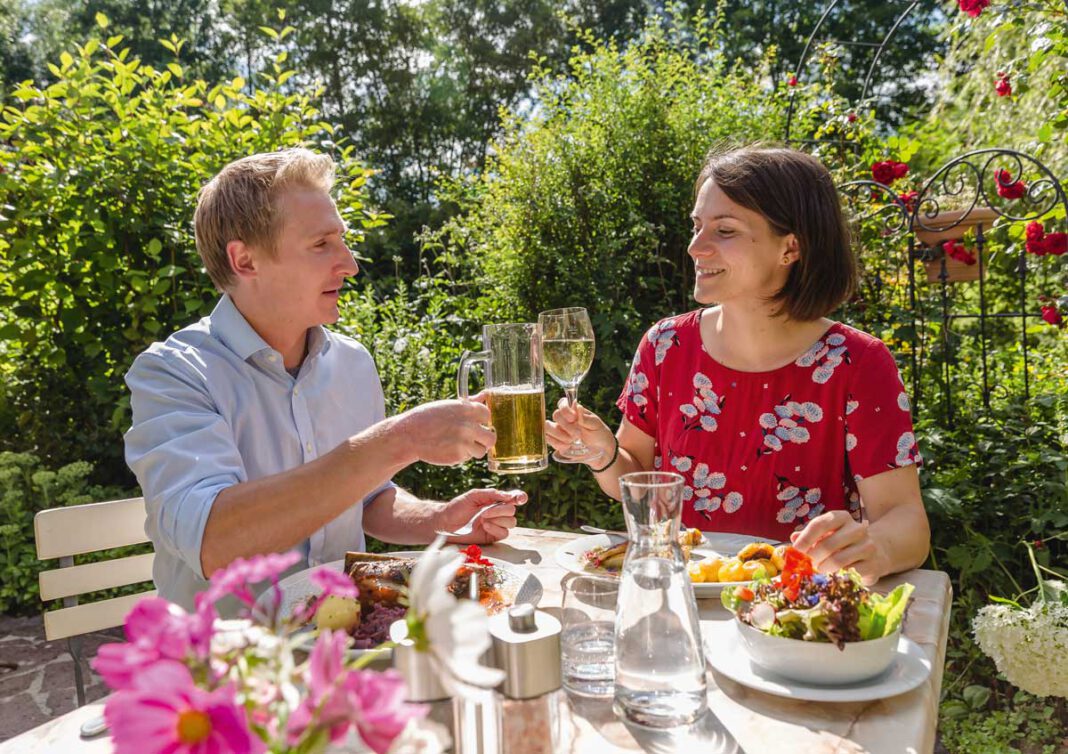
75	530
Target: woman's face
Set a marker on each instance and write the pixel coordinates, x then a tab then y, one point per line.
737	254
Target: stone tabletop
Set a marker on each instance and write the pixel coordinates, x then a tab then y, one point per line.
741	719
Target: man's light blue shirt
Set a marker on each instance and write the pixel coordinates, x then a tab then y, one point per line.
213	406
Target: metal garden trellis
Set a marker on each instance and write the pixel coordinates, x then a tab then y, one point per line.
977	171
967	181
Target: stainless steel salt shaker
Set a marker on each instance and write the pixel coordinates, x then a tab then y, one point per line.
526	646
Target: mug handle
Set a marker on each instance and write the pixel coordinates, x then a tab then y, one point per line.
467	360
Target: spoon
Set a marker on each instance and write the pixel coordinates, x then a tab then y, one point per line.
93	727
469	527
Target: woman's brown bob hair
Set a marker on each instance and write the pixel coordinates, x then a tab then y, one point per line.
795	193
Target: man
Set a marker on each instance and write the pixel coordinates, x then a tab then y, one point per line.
256	430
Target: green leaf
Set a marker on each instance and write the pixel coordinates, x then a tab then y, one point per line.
269	32
101	20
976	697
153	248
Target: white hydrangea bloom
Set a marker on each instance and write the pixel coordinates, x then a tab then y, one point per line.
1029	646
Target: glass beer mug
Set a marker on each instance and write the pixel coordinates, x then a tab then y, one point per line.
515	394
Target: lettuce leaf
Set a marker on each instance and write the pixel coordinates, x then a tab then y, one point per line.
881	616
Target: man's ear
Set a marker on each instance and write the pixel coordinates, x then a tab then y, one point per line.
242	261
792	252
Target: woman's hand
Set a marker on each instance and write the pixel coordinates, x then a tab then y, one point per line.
835	540
579	423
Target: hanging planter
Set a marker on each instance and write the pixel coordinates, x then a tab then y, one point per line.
951	226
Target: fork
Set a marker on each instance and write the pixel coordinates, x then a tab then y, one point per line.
469	527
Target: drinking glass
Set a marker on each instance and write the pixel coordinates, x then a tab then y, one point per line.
587	642
660	663
567	353
515	395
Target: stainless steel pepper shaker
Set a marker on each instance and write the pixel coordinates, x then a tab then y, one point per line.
421	678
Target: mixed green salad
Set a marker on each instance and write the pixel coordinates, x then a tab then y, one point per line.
803	604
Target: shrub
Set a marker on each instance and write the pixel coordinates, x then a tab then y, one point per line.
99	173
27	486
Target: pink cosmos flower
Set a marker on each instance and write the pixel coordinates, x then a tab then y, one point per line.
165	713
155	629
326	704
238	577
381	712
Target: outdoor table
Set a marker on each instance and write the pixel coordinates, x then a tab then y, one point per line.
741	719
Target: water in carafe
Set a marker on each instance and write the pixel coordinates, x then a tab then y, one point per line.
660	664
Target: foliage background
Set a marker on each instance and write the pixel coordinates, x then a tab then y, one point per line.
485	184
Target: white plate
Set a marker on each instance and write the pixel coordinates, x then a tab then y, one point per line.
521	584
726	652
570	555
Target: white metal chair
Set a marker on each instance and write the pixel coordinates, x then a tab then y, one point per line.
75	530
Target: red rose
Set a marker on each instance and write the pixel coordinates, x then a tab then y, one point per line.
1051	315
1007	188
883	172
1003	87
908	198
1035	231
852	117
956	250
1056	243
973	7
792	81
900	169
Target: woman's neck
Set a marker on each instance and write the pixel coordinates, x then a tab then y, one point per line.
753	339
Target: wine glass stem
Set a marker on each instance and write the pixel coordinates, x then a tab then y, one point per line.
578	447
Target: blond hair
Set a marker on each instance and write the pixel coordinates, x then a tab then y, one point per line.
241	203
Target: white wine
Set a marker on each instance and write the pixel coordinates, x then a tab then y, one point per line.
568	360
518	416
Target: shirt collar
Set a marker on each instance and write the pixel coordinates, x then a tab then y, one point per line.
229	325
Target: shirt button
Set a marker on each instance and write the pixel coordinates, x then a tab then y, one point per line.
272	357
296	391
308	446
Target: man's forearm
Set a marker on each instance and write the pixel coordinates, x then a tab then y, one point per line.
399	517
245	518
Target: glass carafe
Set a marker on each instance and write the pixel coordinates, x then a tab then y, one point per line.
660	664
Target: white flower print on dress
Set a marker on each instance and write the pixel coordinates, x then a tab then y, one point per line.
903	401
800	503
908	452
826	354
851	440
662	337
786	423
701	413
708	503
636	385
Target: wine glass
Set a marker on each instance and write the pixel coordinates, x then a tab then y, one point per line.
567	354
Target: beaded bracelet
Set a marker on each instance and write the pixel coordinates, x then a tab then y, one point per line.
615	457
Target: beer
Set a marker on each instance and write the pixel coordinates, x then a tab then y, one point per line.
517	413
567	360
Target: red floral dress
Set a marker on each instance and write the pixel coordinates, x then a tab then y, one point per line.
763	453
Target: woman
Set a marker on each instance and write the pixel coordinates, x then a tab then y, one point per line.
784	424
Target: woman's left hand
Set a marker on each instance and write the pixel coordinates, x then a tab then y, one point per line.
835	540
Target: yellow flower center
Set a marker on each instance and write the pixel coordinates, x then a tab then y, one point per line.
193	726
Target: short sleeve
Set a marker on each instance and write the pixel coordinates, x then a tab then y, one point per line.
640	397
878	416
182	451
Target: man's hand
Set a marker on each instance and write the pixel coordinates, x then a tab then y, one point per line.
835	540
491	526
448	433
